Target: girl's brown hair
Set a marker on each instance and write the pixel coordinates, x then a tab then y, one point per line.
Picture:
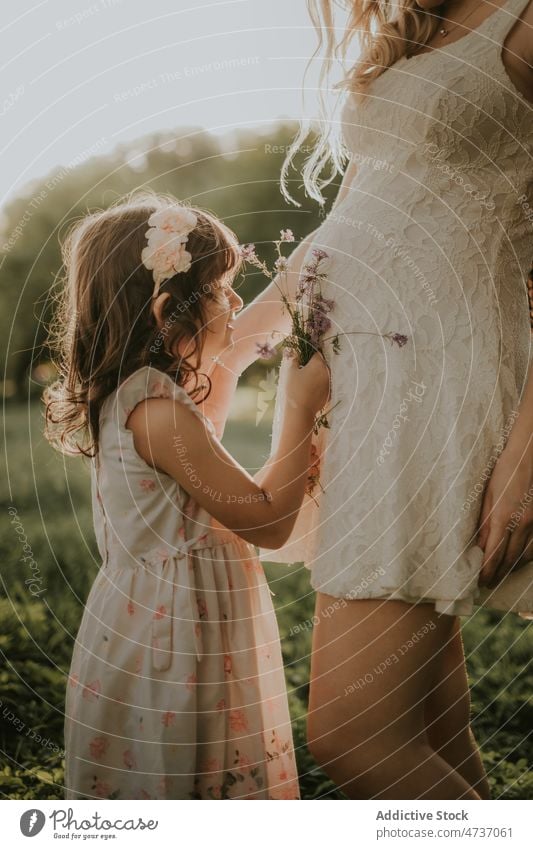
104	328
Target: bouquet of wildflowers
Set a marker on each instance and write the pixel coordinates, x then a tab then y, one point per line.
309	311
309	314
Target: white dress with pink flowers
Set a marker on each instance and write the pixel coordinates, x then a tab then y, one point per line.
176	687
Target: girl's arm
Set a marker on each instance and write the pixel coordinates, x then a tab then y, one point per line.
171	437
265	314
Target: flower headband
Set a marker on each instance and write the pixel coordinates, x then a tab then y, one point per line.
165	253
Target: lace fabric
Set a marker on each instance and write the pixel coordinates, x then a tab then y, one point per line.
432	240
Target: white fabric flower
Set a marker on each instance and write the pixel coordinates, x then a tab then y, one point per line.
165	253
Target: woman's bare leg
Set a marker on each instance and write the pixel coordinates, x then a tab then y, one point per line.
366	724
447	715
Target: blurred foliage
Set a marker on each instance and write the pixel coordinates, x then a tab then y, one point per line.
240	185
52	500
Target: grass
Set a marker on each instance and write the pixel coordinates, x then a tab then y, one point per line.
51	497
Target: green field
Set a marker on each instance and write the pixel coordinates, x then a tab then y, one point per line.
51	497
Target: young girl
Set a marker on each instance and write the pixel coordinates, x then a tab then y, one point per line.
176	687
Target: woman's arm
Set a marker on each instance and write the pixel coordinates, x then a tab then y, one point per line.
506	523
169	436
265	320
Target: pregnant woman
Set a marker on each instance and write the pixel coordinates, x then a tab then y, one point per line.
427	474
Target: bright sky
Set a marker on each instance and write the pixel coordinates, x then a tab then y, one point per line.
80	76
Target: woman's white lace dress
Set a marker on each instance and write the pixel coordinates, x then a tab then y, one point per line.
433	240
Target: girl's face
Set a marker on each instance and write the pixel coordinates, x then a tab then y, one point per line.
220	311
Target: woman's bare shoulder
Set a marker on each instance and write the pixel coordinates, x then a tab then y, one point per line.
517	53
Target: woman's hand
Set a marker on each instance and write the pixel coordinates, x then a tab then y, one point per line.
506	522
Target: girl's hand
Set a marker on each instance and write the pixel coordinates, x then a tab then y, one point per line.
308	386
506	522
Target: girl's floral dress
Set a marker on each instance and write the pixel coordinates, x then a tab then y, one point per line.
176	687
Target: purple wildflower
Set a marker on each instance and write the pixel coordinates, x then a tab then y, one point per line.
317	323
308	277
265	350
399	338
319	254
305	283
247	252
281	263
323	304
287	236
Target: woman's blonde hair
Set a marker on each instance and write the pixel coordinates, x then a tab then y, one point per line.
385	30
104	328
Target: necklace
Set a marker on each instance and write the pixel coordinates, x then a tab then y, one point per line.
445	32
